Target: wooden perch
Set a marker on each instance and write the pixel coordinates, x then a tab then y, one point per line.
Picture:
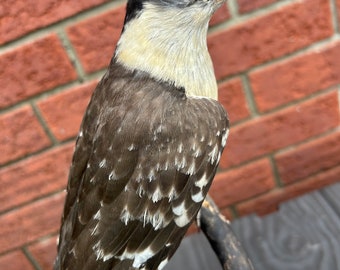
221	238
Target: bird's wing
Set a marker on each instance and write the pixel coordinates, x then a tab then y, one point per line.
143	163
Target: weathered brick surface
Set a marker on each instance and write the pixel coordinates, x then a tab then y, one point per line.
309	158
95	39
31	222
270	36
281	83
232	97
21	134
33	68
249	5
21	17
44	252
278	130
242	183
270	202
35	177
64	112
15	260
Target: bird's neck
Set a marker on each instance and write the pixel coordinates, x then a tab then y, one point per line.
170	48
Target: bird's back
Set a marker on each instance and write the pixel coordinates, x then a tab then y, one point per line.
144	160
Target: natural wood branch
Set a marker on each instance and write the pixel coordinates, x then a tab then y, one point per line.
222	240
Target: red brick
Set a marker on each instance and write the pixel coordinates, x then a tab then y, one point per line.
242	183
291	125
21	18
32	69
221	15
233	100
31	222
95	39
21	134
309	158
270	36
15	261
301	76
63	112
249	5
34	177
44	252
270	202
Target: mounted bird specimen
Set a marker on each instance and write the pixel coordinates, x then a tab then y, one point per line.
149	144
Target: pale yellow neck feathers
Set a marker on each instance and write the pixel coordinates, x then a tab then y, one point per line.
171	46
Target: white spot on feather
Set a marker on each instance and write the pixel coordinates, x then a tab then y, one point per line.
95	230
202	182
97	216
224	138
157	195
197	152
180	163
182	220
102	163
126	255
151	176
132	147
192	168
142	257
162	264
158	220
179	209
213	155
100	253
107	257
125	216
180	148
140	191
172	194
113	176
159	129
198	197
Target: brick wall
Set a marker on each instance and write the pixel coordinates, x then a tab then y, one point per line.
278	66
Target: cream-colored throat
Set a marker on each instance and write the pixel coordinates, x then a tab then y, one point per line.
170	44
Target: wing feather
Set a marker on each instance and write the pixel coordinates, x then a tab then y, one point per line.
144	160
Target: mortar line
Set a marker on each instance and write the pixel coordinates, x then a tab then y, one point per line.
233	8
44	124
277	178
334	14
36	153
31	258
249	96
72	55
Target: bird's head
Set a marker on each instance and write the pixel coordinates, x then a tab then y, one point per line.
198	8
168	40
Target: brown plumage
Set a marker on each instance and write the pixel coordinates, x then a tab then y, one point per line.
144	160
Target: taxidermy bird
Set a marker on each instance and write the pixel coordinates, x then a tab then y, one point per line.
149	144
